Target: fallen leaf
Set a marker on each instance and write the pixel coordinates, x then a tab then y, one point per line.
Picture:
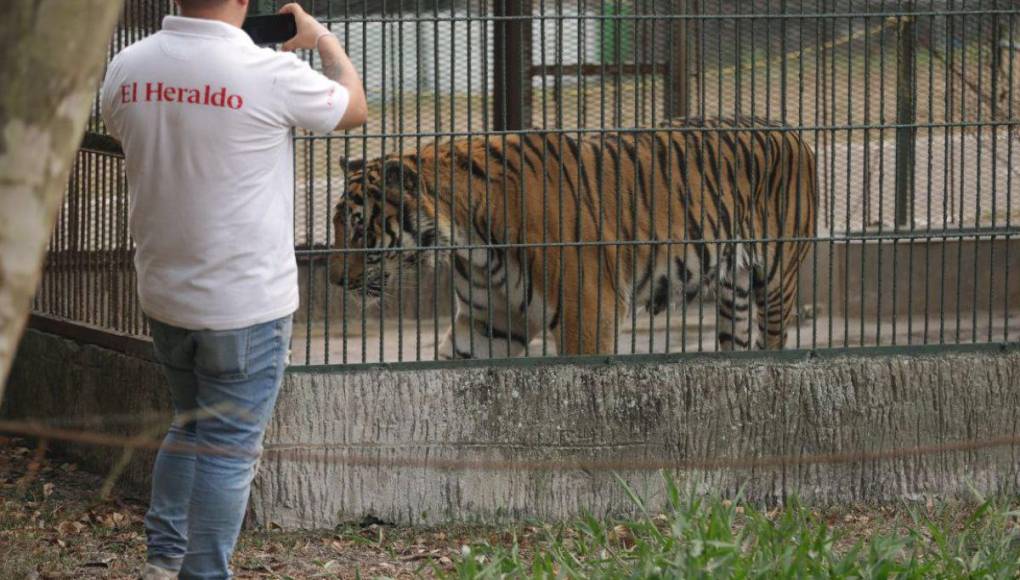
47	489
70	527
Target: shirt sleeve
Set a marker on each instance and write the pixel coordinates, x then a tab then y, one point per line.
107	98
311	100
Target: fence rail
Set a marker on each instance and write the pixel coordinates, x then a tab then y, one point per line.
907	108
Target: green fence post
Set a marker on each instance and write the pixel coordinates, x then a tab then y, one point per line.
616	35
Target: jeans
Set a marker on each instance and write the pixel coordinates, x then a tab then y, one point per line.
224	386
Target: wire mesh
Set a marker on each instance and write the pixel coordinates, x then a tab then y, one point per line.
517	118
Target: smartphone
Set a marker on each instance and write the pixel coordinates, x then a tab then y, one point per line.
271	28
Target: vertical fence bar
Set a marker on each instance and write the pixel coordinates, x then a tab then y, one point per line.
829	117
523	46
653	171
383	128
670	195
579	171
963	170
345	297
600	169
929	173
906	113
677	97
618	169
544	63
398	70
419	66
995	64
1010	67
867	189
364	181
999	44
512	65
947	167
977	186
848	223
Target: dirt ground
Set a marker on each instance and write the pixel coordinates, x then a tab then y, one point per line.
54	524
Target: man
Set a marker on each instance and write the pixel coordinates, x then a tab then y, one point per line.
204	117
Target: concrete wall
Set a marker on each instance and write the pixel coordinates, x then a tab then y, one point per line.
924	278
70	382
688	409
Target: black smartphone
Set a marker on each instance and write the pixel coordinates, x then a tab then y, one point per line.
271	28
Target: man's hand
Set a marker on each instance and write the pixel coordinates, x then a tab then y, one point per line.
335	63
308	28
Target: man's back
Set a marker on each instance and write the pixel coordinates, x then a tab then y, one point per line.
205	117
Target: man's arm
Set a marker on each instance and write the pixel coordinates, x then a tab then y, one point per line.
335	63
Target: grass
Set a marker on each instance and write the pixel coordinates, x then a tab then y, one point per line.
53	526
714	538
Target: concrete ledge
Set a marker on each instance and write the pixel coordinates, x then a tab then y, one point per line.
56	378
695	408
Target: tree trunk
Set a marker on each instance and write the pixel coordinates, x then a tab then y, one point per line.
51	56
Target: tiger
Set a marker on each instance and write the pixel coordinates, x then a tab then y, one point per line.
564	233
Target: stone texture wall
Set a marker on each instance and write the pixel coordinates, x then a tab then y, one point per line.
695	408
54	378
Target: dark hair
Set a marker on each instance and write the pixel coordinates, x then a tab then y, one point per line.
199	4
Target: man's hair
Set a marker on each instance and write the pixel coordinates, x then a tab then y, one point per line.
200	4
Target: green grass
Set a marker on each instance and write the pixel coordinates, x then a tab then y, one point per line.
713	538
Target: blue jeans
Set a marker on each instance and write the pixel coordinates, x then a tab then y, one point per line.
224	386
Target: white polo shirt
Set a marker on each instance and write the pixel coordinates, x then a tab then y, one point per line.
204	117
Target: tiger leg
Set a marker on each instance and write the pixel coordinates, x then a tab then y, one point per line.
587	325
734	297
458	342
475	336
775	299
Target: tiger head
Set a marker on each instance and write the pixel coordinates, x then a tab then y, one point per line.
379	222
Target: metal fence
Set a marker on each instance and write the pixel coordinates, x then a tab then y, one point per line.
906	107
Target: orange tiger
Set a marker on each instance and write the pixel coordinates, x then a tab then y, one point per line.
549	232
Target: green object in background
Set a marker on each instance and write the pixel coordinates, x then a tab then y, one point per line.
261	7
616	36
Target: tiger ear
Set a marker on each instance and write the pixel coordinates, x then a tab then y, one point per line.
400	175
351	165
